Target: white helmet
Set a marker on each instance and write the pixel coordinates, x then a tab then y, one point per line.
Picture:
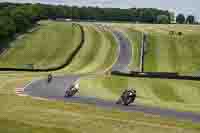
76	86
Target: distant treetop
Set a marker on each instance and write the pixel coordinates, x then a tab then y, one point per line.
18	18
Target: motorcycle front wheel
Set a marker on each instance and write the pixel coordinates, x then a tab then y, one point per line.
129	101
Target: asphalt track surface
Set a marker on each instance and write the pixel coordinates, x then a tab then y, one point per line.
56	89
125	53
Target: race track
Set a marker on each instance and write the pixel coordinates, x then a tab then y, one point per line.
56	89
58	86
125	53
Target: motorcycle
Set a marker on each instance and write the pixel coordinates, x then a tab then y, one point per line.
127	97
49	78
71	91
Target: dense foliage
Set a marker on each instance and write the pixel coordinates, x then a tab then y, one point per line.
17	18
180	18
190	19
163	19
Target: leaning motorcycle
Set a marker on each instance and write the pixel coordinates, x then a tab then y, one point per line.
71	91
49	78
127	97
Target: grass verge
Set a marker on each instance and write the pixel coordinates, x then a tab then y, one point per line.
135	37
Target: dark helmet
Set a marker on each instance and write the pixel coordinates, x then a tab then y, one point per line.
132	90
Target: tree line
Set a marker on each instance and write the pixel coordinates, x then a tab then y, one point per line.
18	18
182	19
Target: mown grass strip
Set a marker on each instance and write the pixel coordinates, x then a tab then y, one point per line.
98	53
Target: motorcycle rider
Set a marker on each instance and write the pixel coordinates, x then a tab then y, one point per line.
49	78
72	90
129	93
127	97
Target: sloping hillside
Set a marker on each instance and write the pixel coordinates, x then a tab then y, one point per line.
47	47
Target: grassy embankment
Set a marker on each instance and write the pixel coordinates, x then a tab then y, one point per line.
97	55
48	47
172	53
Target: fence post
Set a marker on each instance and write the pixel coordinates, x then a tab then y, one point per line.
144	43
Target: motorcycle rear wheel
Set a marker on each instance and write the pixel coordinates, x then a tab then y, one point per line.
119	101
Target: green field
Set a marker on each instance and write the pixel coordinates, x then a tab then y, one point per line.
172	53
25	114
48	47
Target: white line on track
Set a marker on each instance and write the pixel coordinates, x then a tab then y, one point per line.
20	91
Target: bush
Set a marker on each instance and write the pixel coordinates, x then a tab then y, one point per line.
180	33
163	19
8	28
180	19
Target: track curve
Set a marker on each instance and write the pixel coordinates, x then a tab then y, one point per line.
56	89
125	53
40	88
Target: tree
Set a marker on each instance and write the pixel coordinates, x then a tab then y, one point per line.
21	19
190	19
163	19
18	18
7	27
180	19
147	15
